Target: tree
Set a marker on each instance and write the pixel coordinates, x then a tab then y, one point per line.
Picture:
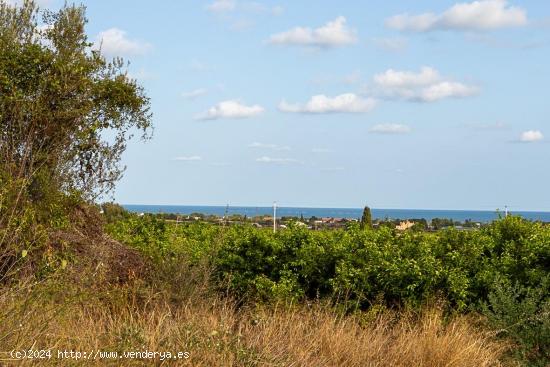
366	219
66	113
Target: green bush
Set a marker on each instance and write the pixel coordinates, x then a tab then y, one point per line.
501	269
522	314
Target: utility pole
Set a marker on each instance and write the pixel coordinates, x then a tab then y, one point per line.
505	211
225	215
274	216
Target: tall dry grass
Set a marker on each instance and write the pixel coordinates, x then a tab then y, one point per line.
216	333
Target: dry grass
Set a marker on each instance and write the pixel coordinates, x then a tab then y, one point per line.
317	337
215	333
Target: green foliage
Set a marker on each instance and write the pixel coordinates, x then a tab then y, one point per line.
57	102
114	212
362	265
438	223
501	270
366	218
66	114
162	241
148	234
523	314
25	226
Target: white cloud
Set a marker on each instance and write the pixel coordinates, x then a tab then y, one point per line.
268	146
531	136
474	16
406	79
114	42
446	89
193	94
416	23
425	86
390	129
344	103
265	159
192	158
230	109
334	33
221	6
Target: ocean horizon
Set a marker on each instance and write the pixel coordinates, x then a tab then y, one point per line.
349	213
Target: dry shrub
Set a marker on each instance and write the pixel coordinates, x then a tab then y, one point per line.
215	333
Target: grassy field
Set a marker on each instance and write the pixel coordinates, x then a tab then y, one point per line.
215	332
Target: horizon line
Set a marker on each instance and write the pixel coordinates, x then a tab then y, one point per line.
345	208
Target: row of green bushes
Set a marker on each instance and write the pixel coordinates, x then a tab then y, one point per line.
502	270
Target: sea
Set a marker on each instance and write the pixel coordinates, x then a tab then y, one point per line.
350	213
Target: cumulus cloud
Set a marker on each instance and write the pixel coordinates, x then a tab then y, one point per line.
390	129
474	16
268	146
446	89
425	86
344	103
265	159
221	6
531	136
230	109
193	94
115	42
192	158
334	33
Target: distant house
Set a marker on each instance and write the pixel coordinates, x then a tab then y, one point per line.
332	220
403	226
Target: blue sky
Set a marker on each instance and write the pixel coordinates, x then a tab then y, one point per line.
425	104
